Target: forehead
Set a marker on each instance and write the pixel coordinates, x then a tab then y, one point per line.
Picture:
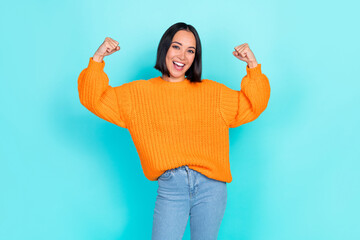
185	38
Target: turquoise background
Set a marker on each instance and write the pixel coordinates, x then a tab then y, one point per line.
67	174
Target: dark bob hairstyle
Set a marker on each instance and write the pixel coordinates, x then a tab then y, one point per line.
194	72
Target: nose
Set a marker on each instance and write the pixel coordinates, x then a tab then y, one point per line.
182	55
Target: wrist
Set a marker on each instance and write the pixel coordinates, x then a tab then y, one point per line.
98	58
252	64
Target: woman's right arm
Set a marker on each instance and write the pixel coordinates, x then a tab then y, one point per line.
109	103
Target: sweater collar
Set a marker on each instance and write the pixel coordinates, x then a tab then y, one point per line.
159	80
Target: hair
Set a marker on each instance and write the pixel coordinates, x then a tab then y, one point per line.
194	72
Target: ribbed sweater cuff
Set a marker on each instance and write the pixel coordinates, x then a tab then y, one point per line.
96	65
254	72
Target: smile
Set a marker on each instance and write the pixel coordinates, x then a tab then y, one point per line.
178	66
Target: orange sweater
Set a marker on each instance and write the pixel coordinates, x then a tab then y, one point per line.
176	123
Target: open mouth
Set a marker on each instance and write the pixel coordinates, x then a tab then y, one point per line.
178	66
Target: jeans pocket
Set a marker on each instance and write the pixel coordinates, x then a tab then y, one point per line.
166	175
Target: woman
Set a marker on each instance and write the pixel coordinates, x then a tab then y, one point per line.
179	125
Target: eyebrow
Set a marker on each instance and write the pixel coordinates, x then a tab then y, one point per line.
181	45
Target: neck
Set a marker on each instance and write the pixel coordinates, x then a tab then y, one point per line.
173	79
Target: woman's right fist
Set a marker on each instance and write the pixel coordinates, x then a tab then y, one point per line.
108	47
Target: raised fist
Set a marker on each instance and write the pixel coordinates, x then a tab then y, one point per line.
108	47
243	53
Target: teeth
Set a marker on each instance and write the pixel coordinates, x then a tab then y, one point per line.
179	64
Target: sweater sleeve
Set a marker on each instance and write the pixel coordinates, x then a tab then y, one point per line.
109	103
240	107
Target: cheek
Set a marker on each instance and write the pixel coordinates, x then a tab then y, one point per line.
191	60
170	54
169	58
168	61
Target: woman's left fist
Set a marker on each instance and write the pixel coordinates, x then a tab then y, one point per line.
244	53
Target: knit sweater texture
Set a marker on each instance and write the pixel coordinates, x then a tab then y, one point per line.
176	123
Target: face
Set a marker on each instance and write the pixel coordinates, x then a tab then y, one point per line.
180	55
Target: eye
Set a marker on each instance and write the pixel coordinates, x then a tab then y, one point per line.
175	46
191	51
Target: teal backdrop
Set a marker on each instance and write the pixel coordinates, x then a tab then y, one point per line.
66	174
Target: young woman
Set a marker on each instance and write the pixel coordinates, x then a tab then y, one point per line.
179	124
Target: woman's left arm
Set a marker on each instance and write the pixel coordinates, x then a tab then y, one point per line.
240	107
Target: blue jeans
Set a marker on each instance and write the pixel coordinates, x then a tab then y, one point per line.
184	193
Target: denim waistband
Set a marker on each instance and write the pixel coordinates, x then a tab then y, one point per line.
184	167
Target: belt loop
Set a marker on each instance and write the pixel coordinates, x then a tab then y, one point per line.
186	168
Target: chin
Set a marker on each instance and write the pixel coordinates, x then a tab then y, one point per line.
176	75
